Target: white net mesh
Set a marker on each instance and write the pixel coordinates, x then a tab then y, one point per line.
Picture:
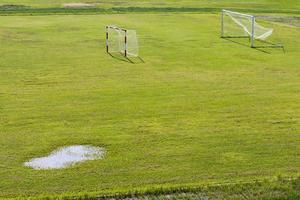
116	41
132	42
237	24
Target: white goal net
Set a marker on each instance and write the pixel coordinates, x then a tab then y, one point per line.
121	40
236	24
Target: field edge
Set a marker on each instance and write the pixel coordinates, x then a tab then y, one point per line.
277	188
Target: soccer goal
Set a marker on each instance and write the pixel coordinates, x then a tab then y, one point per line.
235	25
121	40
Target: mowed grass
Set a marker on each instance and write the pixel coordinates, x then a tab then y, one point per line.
199	110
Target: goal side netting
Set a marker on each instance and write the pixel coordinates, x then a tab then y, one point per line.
236	24
121	40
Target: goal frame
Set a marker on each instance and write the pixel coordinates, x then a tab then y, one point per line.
125	38
241	14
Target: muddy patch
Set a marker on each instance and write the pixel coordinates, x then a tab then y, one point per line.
79	5
288	20
66	157
12	7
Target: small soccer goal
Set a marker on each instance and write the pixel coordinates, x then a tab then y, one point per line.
121	40
235	25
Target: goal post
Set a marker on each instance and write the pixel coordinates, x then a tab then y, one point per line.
121	40
235	24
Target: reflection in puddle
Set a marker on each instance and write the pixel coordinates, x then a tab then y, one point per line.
66	156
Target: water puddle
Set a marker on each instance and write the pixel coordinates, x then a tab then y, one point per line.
66	157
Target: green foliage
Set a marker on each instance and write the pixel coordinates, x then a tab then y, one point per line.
281	189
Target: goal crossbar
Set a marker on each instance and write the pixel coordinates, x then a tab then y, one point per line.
237	13
115	27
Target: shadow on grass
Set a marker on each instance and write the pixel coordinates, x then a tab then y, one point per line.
121	57
268	45
262	46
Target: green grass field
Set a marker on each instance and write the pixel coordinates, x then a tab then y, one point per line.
199	110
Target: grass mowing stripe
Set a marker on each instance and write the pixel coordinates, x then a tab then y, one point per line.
74	11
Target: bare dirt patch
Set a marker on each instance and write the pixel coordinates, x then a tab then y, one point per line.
12	7
79	5
288	20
